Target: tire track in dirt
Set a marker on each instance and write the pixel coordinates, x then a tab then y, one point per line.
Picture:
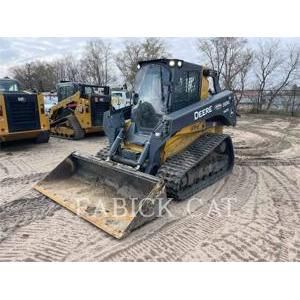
26	158
272	215
22	212
50	248
49	239
267	162
18	187
286	199
15	167
279	211
290	174
263	224
254	234
267	141
8	181
4	170
266	147
286	194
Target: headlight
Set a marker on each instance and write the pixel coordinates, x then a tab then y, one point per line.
179	63
171	63
138	66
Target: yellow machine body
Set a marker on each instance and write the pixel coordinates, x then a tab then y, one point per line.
6	135
77	114
82	112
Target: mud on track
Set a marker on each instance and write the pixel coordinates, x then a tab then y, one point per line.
251	215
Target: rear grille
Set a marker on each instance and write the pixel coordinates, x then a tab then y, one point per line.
22	112
98	109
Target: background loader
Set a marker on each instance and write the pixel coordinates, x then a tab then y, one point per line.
22	114
79	110
173	146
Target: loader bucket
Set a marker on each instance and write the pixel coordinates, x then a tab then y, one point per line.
115	198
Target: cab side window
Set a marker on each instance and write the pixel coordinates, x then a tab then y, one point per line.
186	90
65	92
69	91
60	93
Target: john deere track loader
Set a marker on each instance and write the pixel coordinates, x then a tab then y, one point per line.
79	110
173	146
22	114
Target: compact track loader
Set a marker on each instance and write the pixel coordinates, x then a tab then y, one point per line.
22	114
173	146
79	110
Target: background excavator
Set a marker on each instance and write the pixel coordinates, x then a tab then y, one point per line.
22	114
173	146
79	110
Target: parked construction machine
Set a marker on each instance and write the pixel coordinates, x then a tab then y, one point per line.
79	110
172	147
22	113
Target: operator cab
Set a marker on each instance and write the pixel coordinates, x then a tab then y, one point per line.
163	86
9	85
66	89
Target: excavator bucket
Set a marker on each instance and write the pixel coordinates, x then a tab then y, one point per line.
115	198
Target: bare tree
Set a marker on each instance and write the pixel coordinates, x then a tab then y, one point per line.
153	48
126	60
135	51
67	68
95	67
97	63
275	69
231	58
241	85
24	74
36	75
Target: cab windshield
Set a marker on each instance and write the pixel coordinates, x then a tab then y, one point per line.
9	86
152	85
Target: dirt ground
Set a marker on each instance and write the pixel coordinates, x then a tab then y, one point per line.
251	215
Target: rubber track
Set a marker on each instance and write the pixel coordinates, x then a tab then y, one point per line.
78	131
177	166
103	153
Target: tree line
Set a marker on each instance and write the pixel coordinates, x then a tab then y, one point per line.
268	67
97	65
263	65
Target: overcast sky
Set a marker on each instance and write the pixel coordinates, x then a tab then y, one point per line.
15	51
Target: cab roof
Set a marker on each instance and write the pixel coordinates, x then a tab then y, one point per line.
167	61
9	79
66	82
